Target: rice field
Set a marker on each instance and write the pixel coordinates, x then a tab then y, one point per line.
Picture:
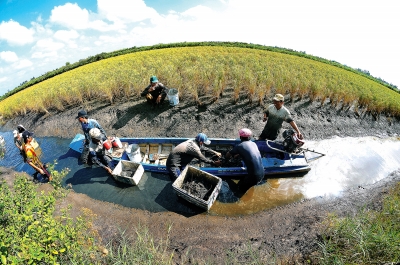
205	70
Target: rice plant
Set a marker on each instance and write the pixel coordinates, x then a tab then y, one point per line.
205	71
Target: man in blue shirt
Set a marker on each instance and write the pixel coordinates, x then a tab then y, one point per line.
251	156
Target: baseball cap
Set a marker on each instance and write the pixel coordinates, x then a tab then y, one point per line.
81	113
26	135
279	97
201	137
153	79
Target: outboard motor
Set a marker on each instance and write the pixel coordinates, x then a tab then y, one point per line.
291	141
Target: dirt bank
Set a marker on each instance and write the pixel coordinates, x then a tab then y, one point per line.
291	231
217	119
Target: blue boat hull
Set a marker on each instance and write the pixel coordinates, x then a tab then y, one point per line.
275	160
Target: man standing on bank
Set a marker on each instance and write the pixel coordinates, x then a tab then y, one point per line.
274	115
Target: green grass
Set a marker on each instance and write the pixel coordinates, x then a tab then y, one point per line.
30	234
371	237
33	233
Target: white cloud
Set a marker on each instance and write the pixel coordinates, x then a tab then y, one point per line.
48	45
8	56
45	48
41	55
3	79
40	29
15	34
126	10
70	16
22	64
66	35
200	12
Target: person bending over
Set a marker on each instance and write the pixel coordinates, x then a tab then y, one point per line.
33	160
97	152
88	124
185	152
251	156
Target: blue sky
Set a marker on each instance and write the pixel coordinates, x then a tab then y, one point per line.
40	36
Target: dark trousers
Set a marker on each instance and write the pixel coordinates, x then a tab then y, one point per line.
154	99
268	134
100	160
85	154
249	181
174	172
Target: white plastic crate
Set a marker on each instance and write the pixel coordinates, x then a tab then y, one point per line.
128	172
191	173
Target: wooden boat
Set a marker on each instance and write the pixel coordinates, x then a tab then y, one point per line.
154	153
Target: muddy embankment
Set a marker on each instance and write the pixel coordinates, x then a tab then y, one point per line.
290	231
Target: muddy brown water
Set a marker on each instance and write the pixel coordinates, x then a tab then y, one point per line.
349	162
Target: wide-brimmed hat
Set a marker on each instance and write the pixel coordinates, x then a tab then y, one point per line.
201	137
279	97
81	113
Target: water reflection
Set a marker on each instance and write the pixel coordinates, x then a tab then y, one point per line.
349	162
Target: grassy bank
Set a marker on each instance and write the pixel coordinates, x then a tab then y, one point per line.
31	234
205	70
371	237
32	231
